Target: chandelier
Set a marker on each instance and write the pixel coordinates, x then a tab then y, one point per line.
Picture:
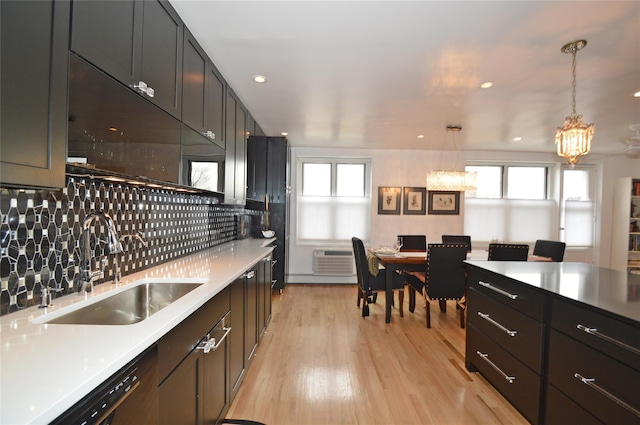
574	138
451	180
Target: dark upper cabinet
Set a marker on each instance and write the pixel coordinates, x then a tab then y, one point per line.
266	168
236	147
137	42
256	168
34	55
203	92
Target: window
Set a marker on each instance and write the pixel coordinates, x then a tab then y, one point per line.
578	208
334	200
515	182
510	204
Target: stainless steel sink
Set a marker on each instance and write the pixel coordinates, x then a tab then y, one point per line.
130	306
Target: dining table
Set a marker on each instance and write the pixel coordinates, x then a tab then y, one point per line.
399	261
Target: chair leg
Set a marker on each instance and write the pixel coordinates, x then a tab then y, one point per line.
463	308
443	305
359	296
428	314
401	302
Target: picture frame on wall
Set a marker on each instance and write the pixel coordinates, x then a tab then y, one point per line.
415	200
389	200
444	202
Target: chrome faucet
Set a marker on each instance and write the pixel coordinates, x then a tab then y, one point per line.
88	275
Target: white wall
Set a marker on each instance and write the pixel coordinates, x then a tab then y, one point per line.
408	168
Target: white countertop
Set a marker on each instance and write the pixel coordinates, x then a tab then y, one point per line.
45	369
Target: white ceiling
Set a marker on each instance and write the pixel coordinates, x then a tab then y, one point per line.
377	74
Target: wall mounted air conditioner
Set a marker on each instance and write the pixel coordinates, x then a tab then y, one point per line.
333	262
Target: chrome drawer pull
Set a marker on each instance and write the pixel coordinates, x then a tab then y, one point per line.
591	382
210	343
498	290
485	357
496	324
594	332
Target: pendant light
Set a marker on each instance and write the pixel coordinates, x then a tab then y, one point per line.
574	138
451	180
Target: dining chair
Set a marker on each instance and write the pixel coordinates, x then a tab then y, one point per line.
508	252
445	277
457	239
413	243
369	284
552	249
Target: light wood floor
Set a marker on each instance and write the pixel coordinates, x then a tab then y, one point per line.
320	362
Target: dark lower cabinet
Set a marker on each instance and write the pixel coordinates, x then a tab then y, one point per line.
35	52
193	363
264	294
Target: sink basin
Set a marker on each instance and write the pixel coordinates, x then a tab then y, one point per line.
130	306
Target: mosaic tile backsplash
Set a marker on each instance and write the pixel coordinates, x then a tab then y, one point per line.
41	233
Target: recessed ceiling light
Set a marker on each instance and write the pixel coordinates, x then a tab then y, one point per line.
517	139
284	133
420	136
486	85
636	94
259	78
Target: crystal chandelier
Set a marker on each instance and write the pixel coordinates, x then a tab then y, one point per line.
574	138
451	180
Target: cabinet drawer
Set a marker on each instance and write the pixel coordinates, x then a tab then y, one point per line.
517	295
518	334
613	337
561	410
178	343
522	389
612	393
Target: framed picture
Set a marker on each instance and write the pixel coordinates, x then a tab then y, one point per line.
389	200
415	199
444	202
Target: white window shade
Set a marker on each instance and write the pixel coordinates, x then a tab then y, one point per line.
509	220
333	219
578	222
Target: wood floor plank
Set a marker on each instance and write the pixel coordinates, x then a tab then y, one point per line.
321	363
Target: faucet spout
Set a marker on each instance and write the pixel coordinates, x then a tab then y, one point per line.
88	274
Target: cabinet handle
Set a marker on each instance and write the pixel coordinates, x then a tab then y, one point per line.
273	263
594	332
498	290
496	324
143	88
249	274
209	134
485	357
591	382
210	343
265	259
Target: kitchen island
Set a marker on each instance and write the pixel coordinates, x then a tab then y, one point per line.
45	368
559	340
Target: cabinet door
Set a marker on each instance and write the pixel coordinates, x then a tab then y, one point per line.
236	337
108	34
241	155
35	39
214	105
216	400
256	168
276	169
162	55
262	265
179	394
193	85
251	316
